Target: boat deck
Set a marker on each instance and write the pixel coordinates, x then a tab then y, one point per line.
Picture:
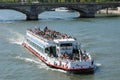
50	34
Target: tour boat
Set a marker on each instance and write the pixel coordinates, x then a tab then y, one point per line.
58	50
63	9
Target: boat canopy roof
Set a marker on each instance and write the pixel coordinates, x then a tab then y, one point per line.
51	37
64	40
45	44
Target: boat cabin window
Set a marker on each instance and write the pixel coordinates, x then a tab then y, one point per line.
51	51
66	44
47	50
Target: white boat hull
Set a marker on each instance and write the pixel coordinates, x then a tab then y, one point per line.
65	68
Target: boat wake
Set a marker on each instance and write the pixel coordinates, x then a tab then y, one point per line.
98	65
39	64
17	39
13	37
53	69
27	60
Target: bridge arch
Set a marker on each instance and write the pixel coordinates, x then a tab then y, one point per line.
81	11
32	10
10	14
15	9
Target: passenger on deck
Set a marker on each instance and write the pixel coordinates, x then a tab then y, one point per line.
39	29
45	29
75	56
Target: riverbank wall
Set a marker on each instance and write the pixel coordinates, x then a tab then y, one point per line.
115	11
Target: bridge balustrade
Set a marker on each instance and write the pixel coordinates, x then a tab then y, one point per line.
42	1
54	1
32	10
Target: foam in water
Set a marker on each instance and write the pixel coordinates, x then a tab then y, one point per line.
39	63
53	69
15	37
28	59
98	64
59	70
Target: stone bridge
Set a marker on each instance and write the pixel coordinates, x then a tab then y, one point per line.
32	10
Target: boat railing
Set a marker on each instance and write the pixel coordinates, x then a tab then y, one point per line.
75	57
48	34
38	35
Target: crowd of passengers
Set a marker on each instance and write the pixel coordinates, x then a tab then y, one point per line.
50	34
75	56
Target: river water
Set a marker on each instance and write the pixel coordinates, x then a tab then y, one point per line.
100	36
